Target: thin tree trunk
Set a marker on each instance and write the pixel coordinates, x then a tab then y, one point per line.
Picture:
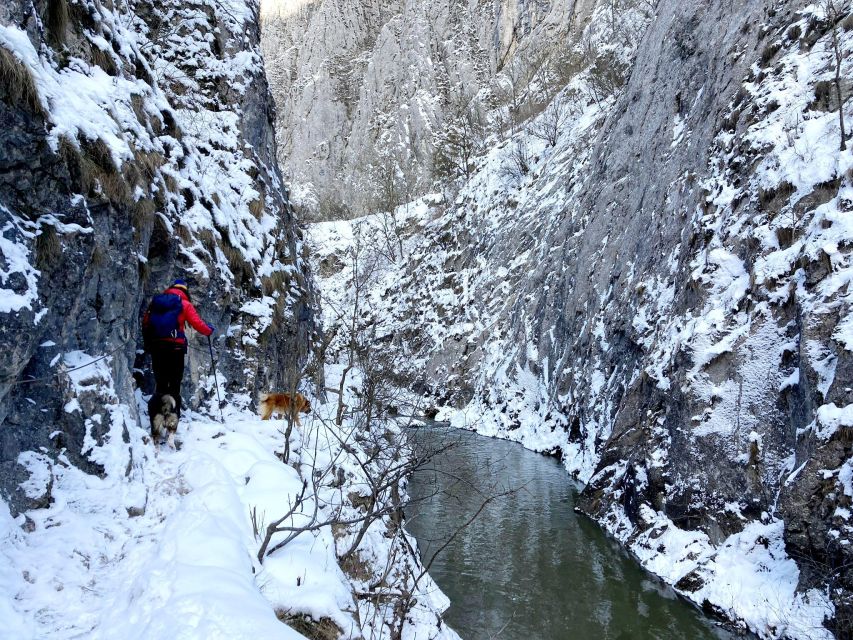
838	60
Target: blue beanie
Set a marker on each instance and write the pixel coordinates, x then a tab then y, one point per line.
180	283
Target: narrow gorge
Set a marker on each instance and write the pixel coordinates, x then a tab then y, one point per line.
617	232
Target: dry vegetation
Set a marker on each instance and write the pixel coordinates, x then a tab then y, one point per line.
323	629
17	83
56	20
48	248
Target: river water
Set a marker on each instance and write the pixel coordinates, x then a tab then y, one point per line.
528	567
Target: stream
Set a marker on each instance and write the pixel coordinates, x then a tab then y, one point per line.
528	567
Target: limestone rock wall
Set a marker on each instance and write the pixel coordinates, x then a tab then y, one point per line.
363	88
136	146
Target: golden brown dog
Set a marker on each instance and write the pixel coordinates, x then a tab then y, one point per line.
283	404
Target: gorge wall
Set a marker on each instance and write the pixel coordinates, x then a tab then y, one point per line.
659	292
365	90
136	145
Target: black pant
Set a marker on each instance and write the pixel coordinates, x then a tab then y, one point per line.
168	365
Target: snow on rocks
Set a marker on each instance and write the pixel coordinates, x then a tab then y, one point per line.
747	578
16	261
831	418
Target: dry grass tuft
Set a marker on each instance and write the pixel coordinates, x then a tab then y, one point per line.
148	162
279	318
170	182
48	248
95	173
236	262
137	103
17	82
774	198
105	60
98	152
143	170
278	281
142	212
170	127
184	234
208	240
356	568
257	207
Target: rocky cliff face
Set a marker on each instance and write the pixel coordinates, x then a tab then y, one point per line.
136	146
365	89
659	291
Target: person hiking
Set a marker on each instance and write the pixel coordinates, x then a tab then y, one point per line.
163	333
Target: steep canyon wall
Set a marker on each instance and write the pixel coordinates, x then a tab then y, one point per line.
136	145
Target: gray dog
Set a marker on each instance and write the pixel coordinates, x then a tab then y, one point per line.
164	420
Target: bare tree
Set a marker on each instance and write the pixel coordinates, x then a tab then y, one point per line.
368	455
519	161
459	142
515	78
549	125
392	187
834	14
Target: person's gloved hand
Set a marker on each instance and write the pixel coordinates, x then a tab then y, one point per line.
212	328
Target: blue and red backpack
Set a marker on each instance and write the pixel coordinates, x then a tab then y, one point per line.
161	320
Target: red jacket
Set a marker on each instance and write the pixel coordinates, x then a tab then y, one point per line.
189	314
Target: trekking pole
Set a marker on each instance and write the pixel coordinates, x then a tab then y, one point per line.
215	379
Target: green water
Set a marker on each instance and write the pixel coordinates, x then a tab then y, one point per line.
529	567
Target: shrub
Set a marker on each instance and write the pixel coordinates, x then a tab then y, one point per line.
770	52
794	33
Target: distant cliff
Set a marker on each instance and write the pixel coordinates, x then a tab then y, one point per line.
364	89
136	145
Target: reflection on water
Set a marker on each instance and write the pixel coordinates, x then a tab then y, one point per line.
528	567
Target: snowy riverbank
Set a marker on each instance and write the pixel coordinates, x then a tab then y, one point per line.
169	552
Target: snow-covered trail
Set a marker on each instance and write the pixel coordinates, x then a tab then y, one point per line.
186	568
168	550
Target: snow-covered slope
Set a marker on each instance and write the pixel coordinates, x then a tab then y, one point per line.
662	296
